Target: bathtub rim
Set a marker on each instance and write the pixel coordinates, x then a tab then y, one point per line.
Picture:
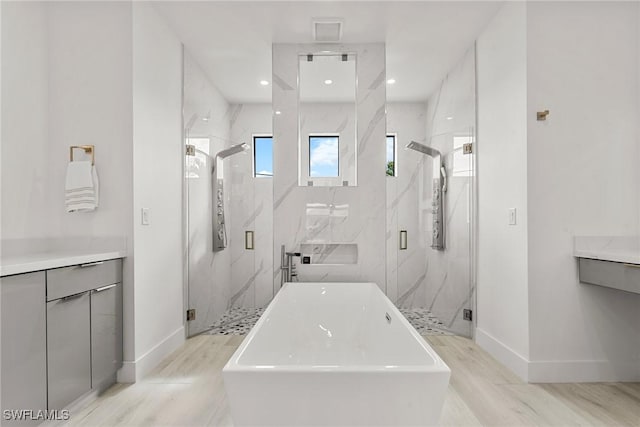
438	366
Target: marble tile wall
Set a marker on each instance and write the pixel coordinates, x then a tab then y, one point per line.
353	214
451	119
251	209
407	269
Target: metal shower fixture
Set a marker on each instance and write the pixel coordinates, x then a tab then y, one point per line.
217	177
439	188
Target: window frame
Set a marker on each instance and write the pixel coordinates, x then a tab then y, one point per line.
253	157
322	135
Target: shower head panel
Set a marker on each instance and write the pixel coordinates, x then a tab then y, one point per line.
235	149
421	148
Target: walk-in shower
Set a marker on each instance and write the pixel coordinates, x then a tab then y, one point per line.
439	188
217	176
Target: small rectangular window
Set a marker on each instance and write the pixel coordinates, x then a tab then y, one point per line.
324	156
262	156
391	155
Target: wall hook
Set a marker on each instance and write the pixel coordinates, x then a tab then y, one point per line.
542	115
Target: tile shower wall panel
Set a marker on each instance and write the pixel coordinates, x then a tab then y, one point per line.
451	123
332	214
207	118
407	269
251	209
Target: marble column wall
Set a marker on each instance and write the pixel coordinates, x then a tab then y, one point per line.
353	214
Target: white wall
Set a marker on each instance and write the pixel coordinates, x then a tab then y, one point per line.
24	118
89	72
583	179
157	184
502	298
574	174
67	82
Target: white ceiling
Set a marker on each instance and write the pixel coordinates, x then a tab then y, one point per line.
232	40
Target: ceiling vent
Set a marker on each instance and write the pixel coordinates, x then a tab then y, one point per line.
327	30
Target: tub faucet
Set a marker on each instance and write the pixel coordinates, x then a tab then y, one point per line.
287	266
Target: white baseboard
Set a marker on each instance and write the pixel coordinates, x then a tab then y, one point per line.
504	354
133	371
582	371
558	371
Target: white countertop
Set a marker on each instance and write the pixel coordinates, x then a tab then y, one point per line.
27	263
624	249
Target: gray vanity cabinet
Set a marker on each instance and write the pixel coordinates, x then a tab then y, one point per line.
84	329
106	333
24	358
68	349
61	335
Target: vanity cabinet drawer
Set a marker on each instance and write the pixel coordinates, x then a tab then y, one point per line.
616	275
62	282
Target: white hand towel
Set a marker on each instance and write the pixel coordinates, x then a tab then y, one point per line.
81	187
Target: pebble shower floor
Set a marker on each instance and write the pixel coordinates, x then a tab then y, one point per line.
239	321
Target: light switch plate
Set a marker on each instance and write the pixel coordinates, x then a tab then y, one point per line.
145	216
512	216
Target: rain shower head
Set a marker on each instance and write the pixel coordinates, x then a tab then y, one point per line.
423	149
235	149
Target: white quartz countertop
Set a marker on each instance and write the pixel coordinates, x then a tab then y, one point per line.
625	249
19	256
27	263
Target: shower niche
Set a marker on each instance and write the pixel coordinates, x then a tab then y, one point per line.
327	120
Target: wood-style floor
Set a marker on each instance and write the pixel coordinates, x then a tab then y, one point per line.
187	390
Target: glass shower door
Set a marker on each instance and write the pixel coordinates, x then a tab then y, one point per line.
433	277
201	288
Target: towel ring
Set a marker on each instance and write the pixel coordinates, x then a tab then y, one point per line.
88	149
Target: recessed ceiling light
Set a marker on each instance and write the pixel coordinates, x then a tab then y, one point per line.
328	81
391	81
264	83
449	118
205	119
278	113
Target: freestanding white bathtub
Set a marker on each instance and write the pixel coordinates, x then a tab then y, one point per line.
334	354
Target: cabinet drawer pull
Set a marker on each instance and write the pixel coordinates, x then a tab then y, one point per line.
72	297
91	264
104	288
